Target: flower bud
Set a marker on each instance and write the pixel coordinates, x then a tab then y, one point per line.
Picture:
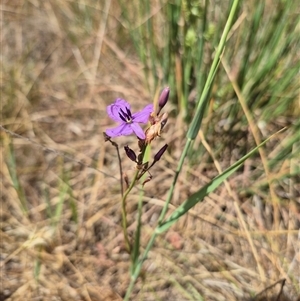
163	98
160	153
130	153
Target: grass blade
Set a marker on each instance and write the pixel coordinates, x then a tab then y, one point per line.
210	187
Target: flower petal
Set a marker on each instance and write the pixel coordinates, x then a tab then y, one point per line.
143	116
121	130
138	130
114	109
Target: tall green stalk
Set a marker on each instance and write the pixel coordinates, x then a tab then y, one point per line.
192	132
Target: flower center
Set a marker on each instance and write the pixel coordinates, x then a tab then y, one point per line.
125	116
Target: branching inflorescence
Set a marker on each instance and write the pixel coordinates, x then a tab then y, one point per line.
120	111
129	123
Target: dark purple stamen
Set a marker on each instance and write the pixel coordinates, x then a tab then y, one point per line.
123	113
128	113
123	118
126	116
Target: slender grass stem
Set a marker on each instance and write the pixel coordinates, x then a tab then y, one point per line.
171	190
192	133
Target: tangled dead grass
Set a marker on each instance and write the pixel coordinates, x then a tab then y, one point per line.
61	236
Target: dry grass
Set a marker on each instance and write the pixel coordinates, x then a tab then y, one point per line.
62	65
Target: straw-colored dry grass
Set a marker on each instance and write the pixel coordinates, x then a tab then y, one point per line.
59	74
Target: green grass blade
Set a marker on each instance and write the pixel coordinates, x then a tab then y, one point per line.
192	132
201	76
59	207
207	189
188	204
202	104
37	266
257	17
12	168
49	212
73	206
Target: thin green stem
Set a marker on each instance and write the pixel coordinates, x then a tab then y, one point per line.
136	246
124	215
138	267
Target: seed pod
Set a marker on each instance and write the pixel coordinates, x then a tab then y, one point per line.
155	130
160	153
130	153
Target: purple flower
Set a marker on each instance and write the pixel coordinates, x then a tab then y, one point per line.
120	111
